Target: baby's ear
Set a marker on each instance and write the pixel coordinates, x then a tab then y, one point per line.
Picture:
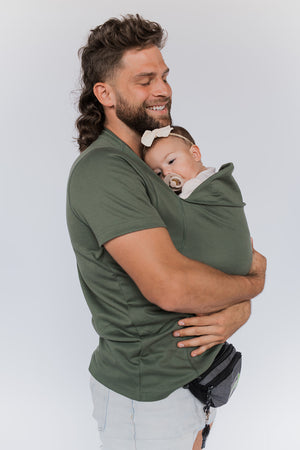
195	152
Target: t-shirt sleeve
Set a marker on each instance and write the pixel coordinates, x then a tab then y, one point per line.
108	194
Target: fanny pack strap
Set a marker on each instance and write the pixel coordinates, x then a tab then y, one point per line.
206	410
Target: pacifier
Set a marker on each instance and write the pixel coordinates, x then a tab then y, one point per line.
174	181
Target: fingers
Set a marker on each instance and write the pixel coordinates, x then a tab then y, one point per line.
201	341
196	321
203	349
194	331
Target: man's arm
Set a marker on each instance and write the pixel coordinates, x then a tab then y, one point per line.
176	283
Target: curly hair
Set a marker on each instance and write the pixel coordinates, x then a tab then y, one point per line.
101	57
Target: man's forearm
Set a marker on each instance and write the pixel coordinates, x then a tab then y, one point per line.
198	288
176	283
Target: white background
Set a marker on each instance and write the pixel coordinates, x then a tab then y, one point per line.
235	77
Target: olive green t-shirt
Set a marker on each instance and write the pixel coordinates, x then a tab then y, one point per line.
112	192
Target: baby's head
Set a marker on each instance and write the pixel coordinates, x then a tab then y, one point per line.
172	150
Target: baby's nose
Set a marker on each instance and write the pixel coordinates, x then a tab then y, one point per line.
166	171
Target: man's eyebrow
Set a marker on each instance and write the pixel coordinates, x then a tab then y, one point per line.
150	74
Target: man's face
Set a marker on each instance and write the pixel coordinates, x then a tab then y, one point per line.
143	95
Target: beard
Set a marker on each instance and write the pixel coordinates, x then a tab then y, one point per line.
137	118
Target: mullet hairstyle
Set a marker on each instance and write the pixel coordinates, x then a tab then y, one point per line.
100	59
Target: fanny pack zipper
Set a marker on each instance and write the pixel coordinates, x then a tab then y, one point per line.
218	359
226	371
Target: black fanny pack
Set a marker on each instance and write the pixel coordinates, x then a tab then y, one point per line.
215	386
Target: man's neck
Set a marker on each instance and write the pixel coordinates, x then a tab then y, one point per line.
127	135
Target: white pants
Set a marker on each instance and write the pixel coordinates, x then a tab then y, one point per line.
169	424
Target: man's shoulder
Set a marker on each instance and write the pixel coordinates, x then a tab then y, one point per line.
108	150
107	166
98	160
97	152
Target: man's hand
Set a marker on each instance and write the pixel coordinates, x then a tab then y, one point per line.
258	269
214	328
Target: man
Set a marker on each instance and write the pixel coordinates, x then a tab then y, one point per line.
126	229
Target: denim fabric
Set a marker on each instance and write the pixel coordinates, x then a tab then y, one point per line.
168	424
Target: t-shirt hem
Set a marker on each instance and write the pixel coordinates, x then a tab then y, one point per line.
142	396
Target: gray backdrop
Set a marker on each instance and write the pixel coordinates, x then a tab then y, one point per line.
235	78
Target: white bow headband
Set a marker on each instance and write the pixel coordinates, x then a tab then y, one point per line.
149	136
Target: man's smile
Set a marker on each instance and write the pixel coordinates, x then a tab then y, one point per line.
156	108
160	108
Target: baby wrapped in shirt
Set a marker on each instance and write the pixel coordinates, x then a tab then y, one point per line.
213	203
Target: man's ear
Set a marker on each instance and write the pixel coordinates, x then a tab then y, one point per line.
195	152
104	94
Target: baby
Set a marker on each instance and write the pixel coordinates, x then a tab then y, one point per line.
172	153
213	208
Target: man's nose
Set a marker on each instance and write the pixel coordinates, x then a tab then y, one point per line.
162	89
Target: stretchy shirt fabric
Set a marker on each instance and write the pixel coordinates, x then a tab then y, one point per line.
112	192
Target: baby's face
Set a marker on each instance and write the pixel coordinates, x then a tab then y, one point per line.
173	155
